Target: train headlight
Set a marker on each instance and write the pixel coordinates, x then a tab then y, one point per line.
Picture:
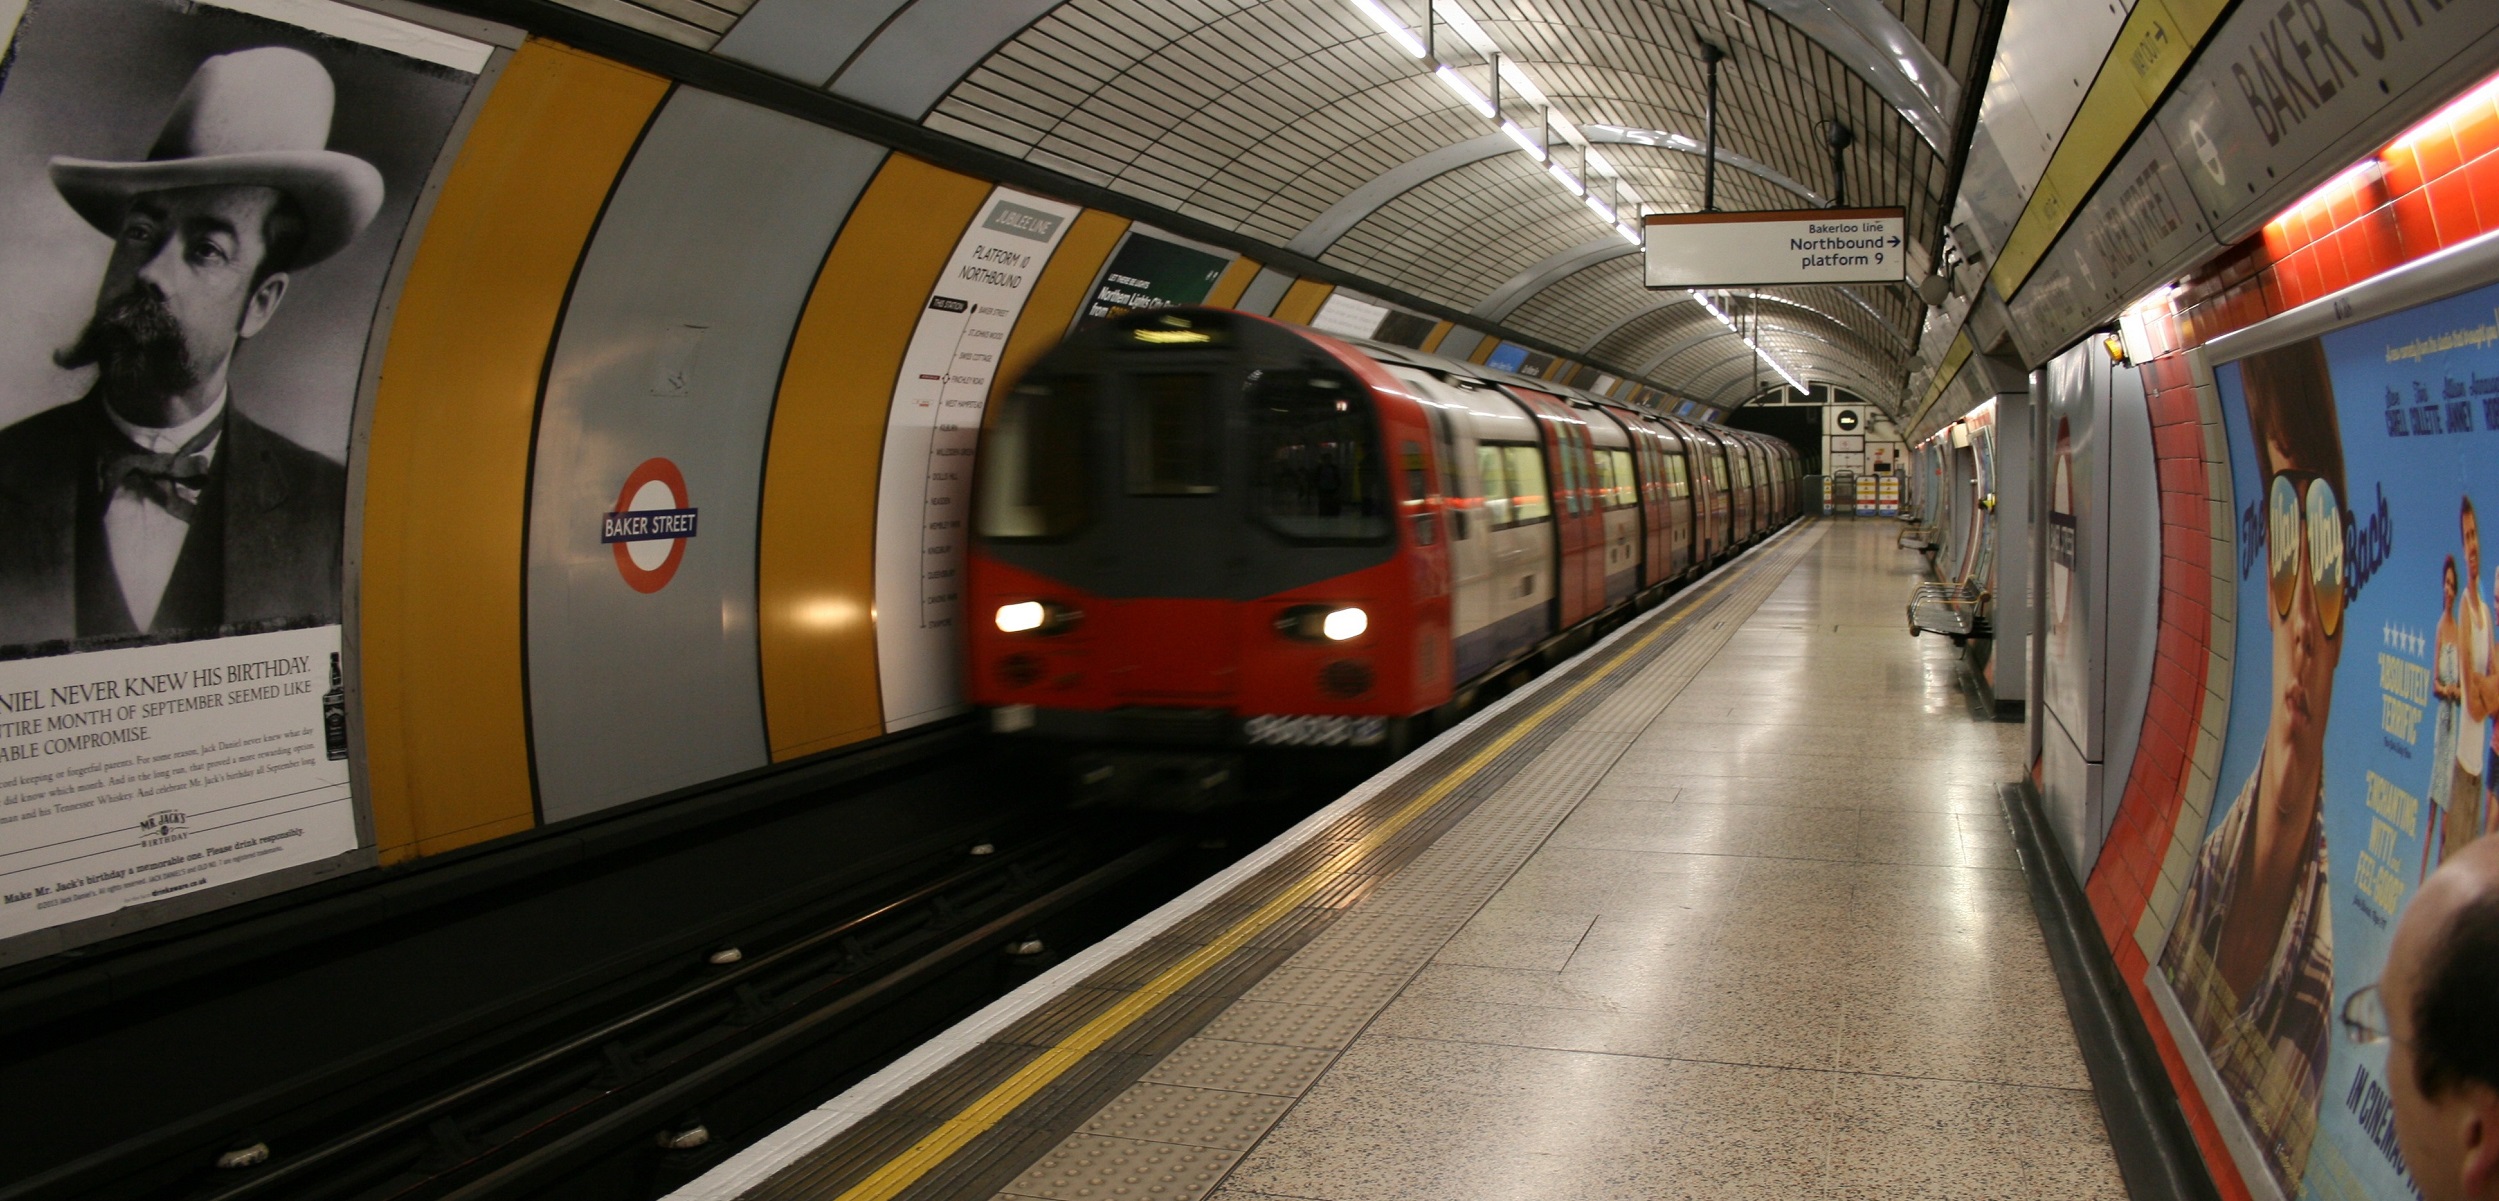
1345	623
1323	623
1021	616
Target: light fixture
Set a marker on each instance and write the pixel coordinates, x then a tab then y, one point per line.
1394	28
1473	96
1733	328
1344	624
1510	80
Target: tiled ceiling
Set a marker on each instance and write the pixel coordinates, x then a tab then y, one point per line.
1258	116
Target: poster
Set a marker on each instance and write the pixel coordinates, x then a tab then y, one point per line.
1152	272
2359	751
199	206
924	485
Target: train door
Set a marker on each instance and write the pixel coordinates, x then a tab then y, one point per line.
1659	562
1470	544
1717	506
1506	484
1616	499
1579	527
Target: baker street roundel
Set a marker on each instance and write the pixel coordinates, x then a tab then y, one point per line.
648	529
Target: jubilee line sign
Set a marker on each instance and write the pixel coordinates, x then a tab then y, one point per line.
1793	246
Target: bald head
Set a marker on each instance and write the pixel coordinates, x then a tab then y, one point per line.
2441	990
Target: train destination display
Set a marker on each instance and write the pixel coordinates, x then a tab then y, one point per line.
1804	246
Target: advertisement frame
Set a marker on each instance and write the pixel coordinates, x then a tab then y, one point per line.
2467	267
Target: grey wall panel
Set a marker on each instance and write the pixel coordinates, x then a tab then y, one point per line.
919	55
671	347
1264	291
805	40
2133	623
1460	343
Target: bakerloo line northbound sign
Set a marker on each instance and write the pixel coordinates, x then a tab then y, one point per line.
1790	246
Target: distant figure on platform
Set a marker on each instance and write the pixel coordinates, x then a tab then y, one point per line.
150	505
2252	956
2447	684
2462	818
2437	1009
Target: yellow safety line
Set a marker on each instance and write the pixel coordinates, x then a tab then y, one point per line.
936	1146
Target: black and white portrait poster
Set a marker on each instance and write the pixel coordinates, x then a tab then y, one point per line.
199	206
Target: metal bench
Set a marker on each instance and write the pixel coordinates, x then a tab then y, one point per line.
1956	611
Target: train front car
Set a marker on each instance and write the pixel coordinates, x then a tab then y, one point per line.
1201	535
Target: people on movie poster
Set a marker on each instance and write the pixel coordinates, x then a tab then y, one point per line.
2466	685
2251	958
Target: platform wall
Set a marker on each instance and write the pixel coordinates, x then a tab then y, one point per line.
616	294
2209	694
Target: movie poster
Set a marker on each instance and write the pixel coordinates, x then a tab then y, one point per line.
2360	747
199	206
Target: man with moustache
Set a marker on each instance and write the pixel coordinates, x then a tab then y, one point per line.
152	505
2251	959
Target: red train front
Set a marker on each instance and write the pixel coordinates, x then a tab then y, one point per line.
1205	539
1187	523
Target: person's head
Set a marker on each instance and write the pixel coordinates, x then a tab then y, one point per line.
193	272
2441	995
239	191
2471	524
2299	451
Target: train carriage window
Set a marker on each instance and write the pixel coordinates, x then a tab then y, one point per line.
1678	478
1315	469
1494	466
1034	464
1528	498
1615	478
1171	435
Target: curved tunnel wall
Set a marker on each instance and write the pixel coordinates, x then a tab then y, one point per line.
617	279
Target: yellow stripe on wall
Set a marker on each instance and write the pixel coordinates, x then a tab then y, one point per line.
1945	372
1483	349
1301	301
447	468
816	549
1432	340
1052	305
2154	43
1234	281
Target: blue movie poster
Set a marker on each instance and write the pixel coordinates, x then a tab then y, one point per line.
2360	747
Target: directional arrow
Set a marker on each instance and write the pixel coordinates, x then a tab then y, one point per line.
1895	241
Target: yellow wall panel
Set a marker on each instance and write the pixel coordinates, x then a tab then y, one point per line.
447	469
1301	301
1234	281
816	553
1483	349
1052	305
1432	340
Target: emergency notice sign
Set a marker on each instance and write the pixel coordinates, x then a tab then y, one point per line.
1796	246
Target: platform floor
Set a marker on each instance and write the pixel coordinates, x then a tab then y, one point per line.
1728	910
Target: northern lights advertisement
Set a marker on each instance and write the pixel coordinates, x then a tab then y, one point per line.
2360	747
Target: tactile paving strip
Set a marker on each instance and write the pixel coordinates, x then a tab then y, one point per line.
1158	1109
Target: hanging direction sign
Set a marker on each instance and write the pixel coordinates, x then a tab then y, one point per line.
1795	246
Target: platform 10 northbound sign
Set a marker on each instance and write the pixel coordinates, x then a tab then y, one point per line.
1794	246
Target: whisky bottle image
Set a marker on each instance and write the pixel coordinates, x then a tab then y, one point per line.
334	711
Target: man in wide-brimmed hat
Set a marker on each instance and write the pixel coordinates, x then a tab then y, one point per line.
151	504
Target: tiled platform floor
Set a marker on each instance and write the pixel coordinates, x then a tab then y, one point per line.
1782	949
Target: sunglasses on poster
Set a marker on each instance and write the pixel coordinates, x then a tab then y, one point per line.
2315	510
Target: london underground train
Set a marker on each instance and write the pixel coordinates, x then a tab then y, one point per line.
1205	538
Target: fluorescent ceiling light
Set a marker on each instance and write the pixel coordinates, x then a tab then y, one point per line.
1525	143
1474	98
1738	331
1394	28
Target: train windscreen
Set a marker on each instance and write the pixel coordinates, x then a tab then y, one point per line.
1034	466
1314	463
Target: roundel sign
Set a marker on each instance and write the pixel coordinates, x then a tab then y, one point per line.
650	525
1846	419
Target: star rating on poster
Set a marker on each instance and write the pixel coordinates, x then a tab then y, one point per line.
2405	639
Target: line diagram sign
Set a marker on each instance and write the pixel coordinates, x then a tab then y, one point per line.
1792	246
